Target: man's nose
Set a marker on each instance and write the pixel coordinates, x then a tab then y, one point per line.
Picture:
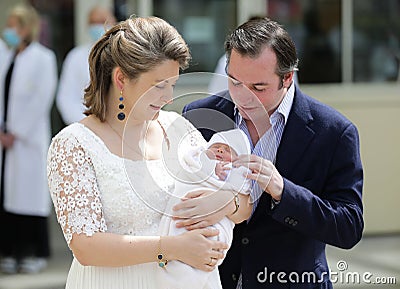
242	96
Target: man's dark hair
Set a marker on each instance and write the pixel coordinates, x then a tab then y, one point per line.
250	38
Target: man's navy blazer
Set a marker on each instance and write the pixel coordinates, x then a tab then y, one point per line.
319	159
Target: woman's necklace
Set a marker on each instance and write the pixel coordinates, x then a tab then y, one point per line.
120	136
133	149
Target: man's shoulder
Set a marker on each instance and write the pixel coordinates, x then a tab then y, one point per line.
321	110
211	114
218	101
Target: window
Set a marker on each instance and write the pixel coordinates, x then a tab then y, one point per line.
372	29
315	27
204	25
376	40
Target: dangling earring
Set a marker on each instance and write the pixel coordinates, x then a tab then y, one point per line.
121	115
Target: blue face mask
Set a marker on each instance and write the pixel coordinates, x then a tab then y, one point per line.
11	37
96	31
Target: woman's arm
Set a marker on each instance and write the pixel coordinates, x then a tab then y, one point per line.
112	250
203	208
76	197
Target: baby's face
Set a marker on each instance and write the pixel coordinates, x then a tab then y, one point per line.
221	152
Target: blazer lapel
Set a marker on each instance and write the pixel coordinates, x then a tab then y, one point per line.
296	136
226	105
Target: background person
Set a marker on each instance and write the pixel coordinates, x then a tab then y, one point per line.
75	71
3	50
28	82
309	151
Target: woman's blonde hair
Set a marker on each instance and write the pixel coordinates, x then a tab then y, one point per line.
136	45
28	18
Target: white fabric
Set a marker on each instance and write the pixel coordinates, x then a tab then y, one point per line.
32	90
199	173
94	190
235	138
73	80
3	52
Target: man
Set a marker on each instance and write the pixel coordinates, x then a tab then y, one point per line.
75	73
305	162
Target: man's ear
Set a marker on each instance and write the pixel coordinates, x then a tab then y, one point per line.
287	79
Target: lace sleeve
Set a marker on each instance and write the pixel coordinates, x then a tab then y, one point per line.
73	188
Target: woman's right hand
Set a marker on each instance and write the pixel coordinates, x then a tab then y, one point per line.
196	249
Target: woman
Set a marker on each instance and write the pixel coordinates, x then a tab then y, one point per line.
106	174
28	81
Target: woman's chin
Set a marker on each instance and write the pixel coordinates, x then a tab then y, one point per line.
155	115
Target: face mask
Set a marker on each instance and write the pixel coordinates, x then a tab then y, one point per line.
96	31
11	37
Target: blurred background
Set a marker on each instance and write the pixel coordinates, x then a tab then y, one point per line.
349	52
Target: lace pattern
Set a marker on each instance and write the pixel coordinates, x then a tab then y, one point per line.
73	187
94	190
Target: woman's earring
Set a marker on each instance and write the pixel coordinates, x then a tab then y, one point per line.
121	115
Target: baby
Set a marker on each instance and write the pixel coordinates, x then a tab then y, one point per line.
205	168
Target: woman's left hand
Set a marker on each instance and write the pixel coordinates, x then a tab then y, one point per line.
203	208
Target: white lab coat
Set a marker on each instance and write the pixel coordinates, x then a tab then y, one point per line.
31	96
73	80
3	52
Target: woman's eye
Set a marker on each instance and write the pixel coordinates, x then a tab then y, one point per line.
235	82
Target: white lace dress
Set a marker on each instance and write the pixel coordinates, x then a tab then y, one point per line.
94	190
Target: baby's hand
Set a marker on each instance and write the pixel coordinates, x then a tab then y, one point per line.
220	170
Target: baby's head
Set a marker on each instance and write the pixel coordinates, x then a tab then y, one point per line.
221	152
226	145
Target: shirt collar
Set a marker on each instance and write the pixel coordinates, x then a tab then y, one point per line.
286	104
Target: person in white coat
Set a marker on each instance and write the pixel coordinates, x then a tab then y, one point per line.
75	71
28	81
3	50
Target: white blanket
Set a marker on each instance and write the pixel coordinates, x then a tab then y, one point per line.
198	173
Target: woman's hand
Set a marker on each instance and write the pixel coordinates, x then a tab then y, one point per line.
203	208
196	249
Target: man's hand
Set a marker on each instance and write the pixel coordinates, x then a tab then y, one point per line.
264	173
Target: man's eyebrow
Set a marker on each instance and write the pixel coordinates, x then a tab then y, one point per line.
252	84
